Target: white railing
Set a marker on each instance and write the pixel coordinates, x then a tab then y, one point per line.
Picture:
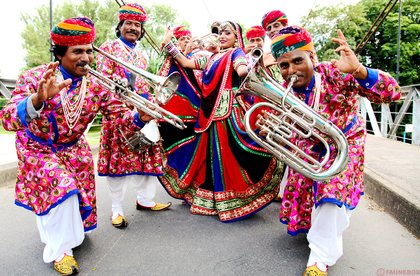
399	121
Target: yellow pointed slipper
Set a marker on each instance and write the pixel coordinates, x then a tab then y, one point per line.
67	266
313	270
157	207
119	222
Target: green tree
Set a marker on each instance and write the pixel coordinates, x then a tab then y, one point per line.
381	50
105	16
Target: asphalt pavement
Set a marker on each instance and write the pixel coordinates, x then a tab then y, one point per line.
175	242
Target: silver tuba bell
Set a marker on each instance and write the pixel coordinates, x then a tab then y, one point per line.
292	118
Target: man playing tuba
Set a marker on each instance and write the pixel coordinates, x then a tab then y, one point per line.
332	89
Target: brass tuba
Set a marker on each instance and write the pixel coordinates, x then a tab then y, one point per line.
292	118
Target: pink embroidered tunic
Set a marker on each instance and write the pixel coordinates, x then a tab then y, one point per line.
55	161
339	103
116	158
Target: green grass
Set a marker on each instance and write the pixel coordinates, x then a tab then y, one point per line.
93	135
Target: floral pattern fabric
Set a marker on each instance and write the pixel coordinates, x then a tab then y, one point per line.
55	161
116	158
339	103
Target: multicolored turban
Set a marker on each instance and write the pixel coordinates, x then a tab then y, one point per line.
274	16
255	31
289	39
181	31
73	31
132	11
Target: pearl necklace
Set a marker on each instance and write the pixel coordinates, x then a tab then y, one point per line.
73	109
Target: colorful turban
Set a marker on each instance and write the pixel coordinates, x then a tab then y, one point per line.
289	39
273	16
181	31
73	31
133	12
255	31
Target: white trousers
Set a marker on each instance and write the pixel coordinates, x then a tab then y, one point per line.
325	236
61	229
283	181
145	186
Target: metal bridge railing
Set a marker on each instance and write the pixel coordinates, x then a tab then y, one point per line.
400	120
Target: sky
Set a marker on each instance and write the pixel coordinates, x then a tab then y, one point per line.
199	13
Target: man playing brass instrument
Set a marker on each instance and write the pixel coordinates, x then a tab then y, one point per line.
50	109
117	161
332	89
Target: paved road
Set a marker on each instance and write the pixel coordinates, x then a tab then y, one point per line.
175	242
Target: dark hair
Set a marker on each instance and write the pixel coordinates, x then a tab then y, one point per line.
118	32
58	50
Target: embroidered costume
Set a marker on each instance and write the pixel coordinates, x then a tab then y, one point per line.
116	158
213	165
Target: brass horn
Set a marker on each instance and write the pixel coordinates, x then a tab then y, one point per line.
163	87
130	97
292	118
207	41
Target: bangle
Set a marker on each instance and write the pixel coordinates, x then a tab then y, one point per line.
357	69
172	49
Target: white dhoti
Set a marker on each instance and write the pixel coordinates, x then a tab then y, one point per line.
325	236
61	229
145	186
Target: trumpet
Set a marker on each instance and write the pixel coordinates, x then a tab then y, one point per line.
207	41
291	118
130	97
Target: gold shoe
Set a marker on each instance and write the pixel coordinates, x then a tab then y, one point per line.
277	198
313	270
67	266
119	222
157	207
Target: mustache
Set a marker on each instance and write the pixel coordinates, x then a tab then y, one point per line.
82	64
132	32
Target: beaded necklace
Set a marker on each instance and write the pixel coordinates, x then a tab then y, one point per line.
72	108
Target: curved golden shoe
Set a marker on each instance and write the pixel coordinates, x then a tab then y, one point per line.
67	266
157	207
313	270
277	198
119	222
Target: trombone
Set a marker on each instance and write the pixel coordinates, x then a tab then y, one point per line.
164	88
130	97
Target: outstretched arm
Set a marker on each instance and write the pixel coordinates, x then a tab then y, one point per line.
174	52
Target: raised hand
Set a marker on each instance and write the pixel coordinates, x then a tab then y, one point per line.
48	86
348	62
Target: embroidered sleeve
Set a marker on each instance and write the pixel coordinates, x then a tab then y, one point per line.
200	62
13	115
238	58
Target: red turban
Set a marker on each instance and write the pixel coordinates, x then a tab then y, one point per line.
255	31
274	16
73	31
181	31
